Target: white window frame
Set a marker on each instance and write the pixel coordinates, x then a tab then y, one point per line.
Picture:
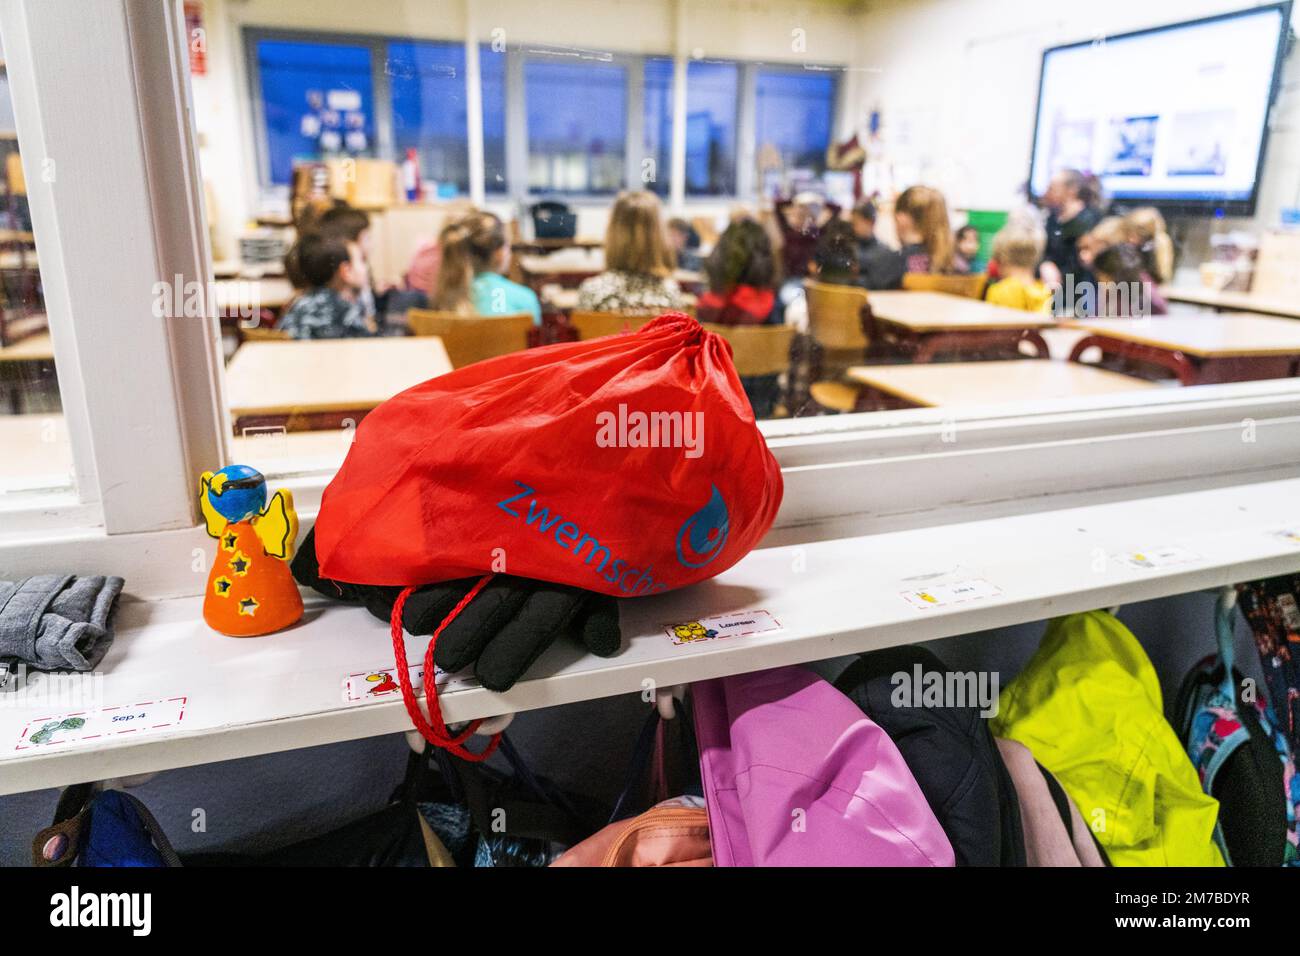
112	108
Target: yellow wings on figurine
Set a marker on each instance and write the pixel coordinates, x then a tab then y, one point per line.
277	526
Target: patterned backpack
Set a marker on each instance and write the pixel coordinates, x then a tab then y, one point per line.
1242	756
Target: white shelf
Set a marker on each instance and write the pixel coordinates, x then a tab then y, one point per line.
842	596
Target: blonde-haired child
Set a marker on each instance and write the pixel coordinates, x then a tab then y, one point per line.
921	220
1146	230
1017	250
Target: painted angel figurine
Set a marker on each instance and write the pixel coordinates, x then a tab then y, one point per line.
250	588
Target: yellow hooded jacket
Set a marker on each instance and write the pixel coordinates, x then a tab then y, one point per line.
1088	706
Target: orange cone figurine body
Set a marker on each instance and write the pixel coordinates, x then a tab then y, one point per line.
250	588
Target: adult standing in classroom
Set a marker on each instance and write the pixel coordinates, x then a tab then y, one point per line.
1072	199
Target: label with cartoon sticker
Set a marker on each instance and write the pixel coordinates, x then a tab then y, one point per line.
950	592
363	686
736	624
111	721
1160	557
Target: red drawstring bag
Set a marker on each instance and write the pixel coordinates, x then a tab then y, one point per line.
627	465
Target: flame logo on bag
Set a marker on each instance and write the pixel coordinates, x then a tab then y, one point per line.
704	534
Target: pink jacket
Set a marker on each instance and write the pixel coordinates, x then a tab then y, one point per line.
796	775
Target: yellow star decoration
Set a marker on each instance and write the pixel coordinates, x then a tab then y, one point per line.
240	563
248	606
222	586
228	541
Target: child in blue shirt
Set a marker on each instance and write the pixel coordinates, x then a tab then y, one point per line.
474	254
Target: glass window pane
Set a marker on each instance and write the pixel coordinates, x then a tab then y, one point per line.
577	126
712	90
794	114
34	438
657	127
317	102
492	70
427	82
712	97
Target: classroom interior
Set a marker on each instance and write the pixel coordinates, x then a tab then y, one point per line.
785	114
869	201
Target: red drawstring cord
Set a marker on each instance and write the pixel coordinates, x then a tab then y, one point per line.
436	732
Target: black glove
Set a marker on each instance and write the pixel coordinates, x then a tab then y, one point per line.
509	624
502	631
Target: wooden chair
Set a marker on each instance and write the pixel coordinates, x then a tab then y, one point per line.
757	349
835	326
761	353
969	286
472	338
835	317
593	325
260	334
705	229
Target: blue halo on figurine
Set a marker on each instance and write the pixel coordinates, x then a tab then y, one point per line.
237	492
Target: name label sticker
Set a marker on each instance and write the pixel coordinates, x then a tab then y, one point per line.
735	624
1154	558
944	593
83	725
363	686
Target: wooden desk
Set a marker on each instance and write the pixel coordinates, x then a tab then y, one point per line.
35	350
235	269
543	246
1199	350
1233	301
920	326
235	296
312	385
984	383
568	270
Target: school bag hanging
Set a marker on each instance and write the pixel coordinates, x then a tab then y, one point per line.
625	466
951	753
1054	830
796	775
102	828
672	833
1088	707
1272	608
1242	756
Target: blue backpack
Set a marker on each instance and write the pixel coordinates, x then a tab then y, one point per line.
109	828
1242	756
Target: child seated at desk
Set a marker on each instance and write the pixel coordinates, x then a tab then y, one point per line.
741	272
835	257
638	274
879	266
967	245
474	254
1145	228
921	218
334	273
1017	250
1125	289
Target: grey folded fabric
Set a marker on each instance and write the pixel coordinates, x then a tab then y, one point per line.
58	621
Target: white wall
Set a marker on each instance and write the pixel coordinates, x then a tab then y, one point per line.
957	82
